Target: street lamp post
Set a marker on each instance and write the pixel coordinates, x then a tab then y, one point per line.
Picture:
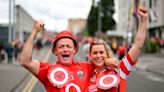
11	32
14	19
10	25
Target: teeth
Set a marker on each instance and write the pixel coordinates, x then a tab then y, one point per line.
65	58
99	60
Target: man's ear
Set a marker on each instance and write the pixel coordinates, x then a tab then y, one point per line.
75	51
54	51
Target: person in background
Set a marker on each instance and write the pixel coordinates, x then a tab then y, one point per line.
86	49
9	51
114	45
121	50
17	50
100	54
2	52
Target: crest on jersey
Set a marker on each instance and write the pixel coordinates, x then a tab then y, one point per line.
80	74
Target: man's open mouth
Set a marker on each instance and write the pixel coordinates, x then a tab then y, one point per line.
65	56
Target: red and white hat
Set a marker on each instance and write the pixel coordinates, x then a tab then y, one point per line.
107	81
64	34
59	76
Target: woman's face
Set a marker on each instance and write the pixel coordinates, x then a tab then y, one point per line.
98	55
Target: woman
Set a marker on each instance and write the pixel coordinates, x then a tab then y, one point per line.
100	53
106	78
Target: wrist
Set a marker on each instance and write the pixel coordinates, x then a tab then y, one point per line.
34	31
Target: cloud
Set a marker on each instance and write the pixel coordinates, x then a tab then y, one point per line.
4	11
60	9
51	11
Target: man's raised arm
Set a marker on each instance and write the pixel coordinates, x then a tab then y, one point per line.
26	53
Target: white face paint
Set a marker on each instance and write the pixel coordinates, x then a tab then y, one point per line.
74	85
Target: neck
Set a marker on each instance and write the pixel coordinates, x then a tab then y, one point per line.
100	69
65	63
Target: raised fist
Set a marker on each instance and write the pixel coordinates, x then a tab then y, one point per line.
143	14
38	26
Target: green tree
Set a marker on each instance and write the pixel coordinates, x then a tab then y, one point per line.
107	10
92	22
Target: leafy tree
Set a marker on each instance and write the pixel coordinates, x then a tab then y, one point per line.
107	10
92	22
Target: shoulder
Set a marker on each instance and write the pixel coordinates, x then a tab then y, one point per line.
44	66
84	63
43	70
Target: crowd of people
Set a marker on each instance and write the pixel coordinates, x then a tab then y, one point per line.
9	51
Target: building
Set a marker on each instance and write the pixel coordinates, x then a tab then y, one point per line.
4	33
76	25
127	17
126	22
155	25
156	18
24	24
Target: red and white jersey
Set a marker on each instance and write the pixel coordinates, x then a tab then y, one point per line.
126	66
80	75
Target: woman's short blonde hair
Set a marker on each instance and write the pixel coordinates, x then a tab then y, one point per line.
102	42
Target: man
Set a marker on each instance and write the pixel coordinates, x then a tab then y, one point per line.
65	75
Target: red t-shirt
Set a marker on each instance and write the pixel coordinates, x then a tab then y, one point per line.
80	81
126	65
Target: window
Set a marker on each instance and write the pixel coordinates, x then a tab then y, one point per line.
153	3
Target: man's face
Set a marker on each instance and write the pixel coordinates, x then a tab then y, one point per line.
65	50
98	55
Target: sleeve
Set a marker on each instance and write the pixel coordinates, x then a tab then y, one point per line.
42	76
126	66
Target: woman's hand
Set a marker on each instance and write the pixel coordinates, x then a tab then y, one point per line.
142	14
112	62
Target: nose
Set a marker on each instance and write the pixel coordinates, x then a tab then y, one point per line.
65	48
98	55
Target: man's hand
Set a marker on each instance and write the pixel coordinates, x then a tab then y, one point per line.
38	26
112	62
